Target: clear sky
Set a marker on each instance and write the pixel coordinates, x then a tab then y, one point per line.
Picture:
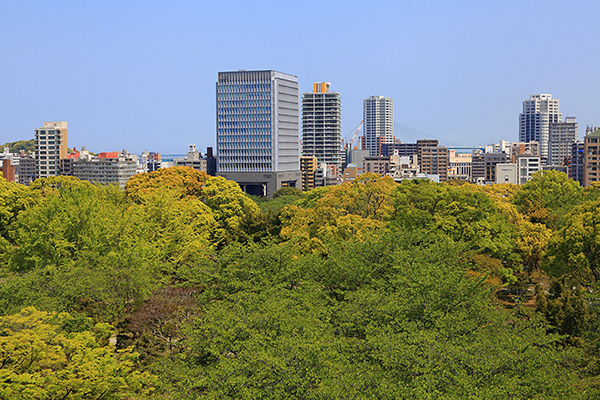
140	75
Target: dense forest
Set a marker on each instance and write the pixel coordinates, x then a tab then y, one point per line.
182	287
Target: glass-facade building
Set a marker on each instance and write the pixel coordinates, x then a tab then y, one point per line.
257	122
258	129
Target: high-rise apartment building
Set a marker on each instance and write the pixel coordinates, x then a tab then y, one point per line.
560	138
591	158
322	124
258	130
577	160
50	148
534	122
378	128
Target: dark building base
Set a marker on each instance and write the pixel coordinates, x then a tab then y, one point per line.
264	184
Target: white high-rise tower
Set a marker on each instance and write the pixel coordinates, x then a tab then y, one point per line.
378	114
534	122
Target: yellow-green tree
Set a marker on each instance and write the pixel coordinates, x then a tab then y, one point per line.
43	357
185	181
351	210
548	197
575	248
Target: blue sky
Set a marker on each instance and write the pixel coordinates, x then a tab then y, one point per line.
141	75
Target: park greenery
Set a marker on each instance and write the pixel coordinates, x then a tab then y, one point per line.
182	287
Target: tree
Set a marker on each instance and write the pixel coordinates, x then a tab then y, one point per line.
548	197
393	316
356	209
185	181
565	309
458	212
14	198
48	356
575	248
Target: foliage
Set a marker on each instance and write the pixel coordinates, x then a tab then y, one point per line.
565	309
351	210
185	181
548	197
287	191
15	147
235	212
83	242
575	248
390	317
14	198
458	212
363	290
164	313
46	356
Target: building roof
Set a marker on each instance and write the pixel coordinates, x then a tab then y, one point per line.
596	133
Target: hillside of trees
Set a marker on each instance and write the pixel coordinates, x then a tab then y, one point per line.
182	287
16	147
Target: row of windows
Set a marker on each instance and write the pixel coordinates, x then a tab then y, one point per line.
248	159
244	126
260	87
245	167
243	96
235	152
244	103
264	112
229	134
243	146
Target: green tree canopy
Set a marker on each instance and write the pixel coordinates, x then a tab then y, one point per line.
575	248
46	356
548	197
458	212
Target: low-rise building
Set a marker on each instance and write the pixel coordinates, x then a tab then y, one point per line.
193	159
308	167
507	173
377	164
106	168
528	165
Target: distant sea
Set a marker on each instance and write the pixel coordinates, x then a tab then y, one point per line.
171	157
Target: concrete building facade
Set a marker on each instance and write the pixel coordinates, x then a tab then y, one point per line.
308	166
560	138
591	158
322	124
50	147
434	161
539	112
107	168
378	128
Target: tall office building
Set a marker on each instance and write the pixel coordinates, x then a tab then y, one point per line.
322	124
258	130
378	128
534	122
50	148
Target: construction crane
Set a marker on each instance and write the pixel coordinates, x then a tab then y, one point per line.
357	130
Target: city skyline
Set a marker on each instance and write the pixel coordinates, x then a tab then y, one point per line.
140	76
